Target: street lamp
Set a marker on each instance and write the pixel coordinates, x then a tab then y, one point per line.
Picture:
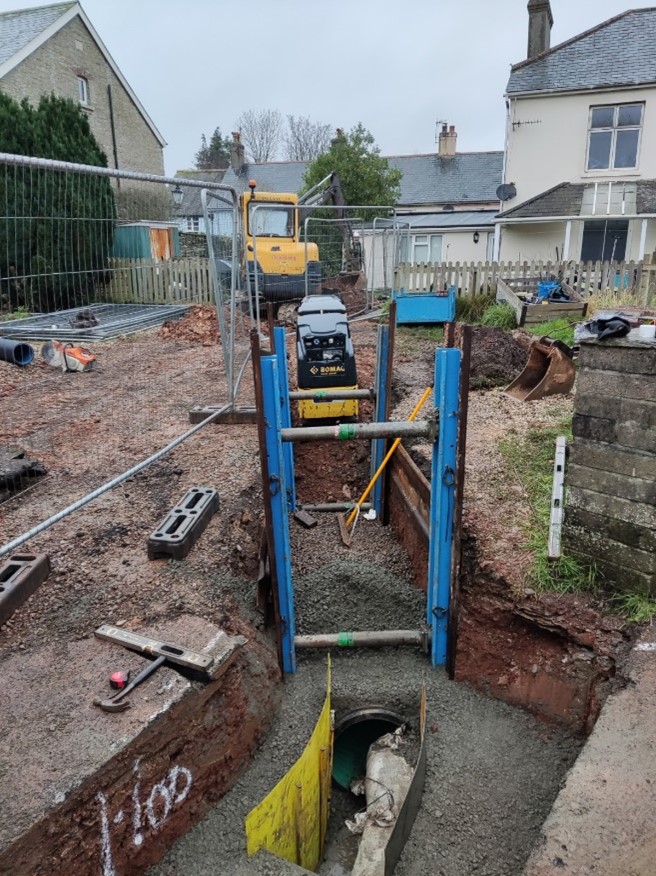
178	195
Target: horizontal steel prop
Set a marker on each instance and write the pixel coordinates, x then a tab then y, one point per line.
348	431
366	639
336	506
330	394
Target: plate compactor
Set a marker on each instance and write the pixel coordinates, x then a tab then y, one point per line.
325	358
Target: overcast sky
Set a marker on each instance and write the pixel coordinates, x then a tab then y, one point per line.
395	66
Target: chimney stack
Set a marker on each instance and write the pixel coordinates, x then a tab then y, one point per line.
540	22
447	141
237	159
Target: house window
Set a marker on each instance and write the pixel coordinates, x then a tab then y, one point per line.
425	248
614	136
83	90
192	223
604	241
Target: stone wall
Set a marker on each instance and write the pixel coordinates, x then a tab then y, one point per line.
610	513
193	244
56	65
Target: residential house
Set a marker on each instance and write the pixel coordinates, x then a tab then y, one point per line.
56	49
446	209
580	155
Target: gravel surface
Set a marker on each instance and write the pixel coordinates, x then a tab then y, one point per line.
493	771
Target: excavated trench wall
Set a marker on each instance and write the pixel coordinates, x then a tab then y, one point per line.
610	515
555	656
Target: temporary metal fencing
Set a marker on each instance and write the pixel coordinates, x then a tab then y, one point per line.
293	252
86	252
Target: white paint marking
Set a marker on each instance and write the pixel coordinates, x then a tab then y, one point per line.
118	818
645	646
137	838
106	858
160	789
212	642
174	774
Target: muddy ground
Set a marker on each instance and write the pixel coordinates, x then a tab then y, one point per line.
87	428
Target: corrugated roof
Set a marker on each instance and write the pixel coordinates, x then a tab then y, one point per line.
427	179
617	52
19	28
450	219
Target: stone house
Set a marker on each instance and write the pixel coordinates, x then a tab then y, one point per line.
580	154
56	49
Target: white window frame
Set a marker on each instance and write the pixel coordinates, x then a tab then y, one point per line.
426	240
192	223
83	90
613	131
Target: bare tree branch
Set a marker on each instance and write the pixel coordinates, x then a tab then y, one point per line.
260	132
305	140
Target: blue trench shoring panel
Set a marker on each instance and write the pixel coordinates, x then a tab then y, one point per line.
285	414
438	591
442	504
271	391
380	405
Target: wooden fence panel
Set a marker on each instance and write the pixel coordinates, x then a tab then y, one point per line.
471	278
144	281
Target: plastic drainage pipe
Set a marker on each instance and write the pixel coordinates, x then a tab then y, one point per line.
16	352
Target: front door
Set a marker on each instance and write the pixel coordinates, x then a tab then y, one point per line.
604	241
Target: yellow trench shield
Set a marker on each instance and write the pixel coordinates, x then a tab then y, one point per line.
292	819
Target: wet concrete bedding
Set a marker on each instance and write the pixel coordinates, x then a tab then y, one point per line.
493	771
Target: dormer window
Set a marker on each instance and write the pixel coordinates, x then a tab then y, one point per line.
83	90
614	136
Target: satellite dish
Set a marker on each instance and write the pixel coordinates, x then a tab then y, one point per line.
506	192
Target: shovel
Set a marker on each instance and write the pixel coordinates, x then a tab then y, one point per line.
344	523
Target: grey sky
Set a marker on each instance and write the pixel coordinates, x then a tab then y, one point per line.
396	66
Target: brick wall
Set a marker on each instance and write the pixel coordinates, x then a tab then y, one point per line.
70	53
610	514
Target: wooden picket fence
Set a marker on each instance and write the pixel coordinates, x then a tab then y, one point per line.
190	280
143	281
472	278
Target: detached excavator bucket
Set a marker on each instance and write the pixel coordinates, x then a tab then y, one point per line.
548	371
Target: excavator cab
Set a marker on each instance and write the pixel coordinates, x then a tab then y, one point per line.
325	358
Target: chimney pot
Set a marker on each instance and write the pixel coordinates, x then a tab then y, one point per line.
237	153
447	141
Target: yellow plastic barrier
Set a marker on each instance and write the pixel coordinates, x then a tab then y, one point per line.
292	819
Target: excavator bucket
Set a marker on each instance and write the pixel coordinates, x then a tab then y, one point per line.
548	371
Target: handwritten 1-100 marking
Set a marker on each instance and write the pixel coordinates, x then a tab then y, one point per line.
164	796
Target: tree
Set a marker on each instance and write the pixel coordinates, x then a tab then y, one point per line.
305	140
366	177
57	227
216	154
261	131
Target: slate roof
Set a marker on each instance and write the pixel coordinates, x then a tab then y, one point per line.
191	203
566	199
19	28
617	52
467	177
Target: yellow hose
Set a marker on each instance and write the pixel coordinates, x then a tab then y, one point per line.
397	441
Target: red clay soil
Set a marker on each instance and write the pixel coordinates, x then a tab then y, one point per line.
554	654
338	471
199	325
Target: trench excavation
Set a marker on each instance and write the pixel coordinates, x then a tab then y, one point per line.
206	756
